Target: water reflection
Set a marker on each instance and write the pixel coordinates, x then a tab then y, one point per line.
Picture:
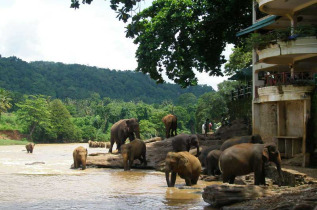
53	185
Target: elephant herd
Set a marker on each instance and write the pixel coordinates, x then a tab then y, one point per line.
240	156
236	157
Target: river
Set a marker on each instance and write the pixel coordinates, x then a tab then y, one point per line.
51	184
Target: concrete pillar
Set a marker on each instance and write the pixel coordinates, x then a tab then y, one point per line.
306	110
281	119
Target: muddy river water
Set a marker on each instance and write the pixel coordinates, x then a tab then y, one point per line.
51	184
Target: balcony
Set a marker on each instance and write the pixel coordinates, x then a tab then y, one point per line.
283	87
284	7
287	52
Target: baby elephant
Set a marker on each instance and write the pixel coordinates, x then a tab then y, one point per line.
186	165
136	149
29	147
212	162
80	157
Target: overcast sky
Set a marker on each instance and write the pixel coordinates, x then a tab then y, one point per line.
49	30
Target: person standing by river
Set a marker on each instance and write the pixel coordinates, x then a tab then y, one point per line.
206	126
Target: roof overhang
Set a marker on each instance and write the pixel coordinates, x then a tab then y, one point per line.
258	25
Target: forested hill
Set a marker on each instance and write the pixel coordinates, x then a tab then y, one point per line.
79	81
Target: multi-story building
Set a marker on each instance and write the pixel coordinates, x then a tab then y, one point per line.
284	72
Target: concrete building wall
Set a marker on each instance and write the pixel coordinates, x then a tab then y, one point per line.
268	121
294	118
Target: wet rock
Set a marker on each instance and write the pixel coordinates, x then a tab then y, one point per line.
155	139
236	128
223	195
210	178
291	177
156	150
35	163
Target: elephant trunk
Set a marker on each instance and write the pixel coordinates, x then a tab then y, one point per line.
167	175
125	161
137	133
83	163
198	153
279	171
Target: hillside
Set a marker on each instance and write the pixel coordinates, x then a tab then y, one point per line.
79	81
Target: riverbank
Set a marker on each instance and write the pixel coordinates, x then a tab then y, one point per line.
6	142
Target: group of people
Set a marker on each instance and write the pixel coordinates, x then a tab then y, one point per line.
206	127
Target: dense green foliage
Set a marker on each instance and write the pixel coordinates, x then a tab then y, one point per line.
79	82
4	101
183	35
177	36
80	120
240	58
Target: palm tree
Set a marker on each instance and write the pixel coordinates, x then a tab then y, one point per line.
4	101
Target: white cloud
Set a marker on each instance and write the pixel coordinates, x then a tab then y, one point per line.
49	30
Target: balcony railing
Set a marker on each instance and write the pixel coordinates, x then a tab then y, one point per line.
286	78
242	92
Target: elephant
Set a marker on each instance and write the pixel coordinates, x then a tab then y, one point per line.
186	165
170	122
134	150
242	159
203	154
255	139
183	142
80	157
122	130
212	160
29	147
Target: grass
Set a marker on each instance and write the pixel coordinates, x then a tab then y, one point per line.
4	142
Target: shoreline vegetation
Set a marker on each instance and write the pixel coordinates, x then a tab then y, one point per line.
7	142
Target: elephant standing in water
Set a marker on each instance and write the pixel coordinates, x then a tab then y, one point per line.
186	165
170	122
255	139
122	130
242	159
134	150
29	147
183	142
80	157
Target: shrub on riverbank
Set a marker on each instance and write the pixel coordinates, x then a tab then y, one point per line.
4	142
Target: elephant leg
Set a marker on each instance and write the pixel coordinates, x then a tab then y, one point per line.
195	179
75	164
259	175
119	147
144	159
111	145
188	182
173	179
231	180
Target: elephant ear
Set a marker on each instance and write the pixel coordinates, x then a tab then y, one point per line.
265	154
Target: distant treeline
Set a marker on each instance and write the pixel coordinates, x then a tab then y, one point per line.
76	81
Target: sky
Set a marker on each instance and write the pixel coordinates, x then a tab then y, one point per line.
49	30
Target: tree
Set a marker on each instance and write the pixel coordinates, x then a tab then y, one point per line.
4	101
239	59
187	99
60	119
212	106
239	64
180	36
34	112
